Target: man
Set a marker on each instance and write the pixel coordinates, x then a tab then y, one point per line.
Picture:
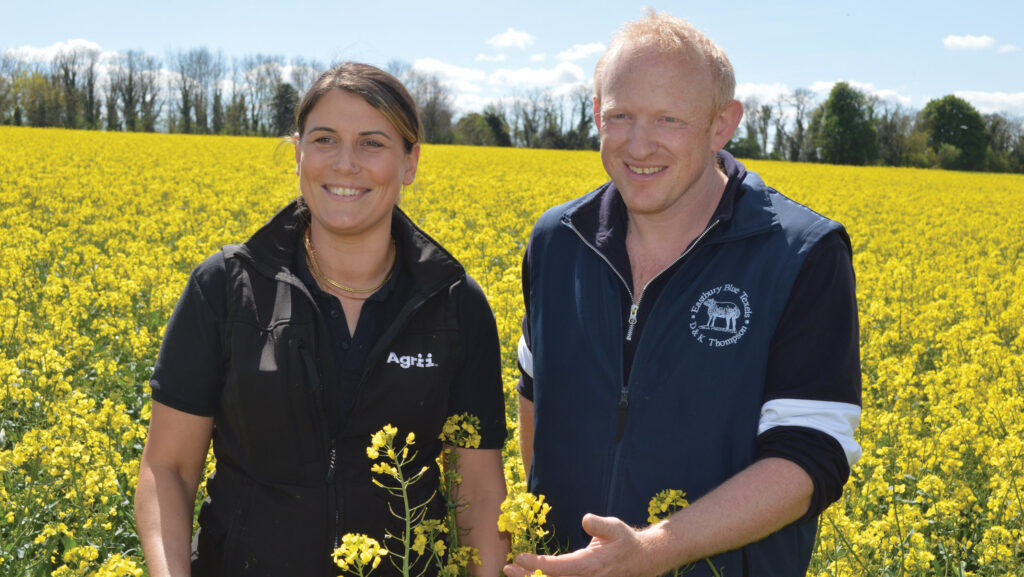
687	328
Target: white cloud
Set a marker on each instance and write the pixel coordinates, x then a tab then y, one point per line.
987	102
581	51
466	103
564	73
968	42
765	93
460	79
1007	48
490	57
512	38
32	54
823	88
538	57
892	96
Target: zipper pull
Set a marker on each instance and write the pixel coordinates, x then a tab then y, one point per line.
332	460
623	408
632	321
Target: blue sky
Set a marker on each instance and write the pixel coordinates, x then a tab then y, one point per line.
904	51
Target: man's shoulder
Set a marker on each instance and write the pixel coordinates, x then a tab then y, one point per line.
552	217
795	219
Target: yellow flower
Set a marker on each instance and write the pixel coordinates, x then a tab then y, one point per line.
665	503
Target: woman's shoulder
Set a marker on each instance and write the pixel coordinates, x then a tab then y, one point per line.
209	281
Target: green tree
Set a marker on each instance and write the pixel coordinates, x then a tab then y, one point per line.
217	114
744	147
286	98
236	120
40	98
847	134
495	119
473	129
952	121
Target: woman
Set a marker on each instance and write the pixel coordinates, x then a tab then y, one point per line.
290	350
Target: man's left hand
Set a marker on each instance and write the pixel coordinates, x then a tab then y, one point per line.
615	550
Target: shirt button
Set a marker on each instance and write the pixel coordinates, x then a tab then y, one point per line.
335	313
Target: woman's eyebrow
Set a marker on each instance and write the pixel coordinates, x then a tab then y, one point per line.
364	133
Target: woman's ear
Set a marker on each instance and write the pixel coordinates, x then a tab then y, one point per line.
412	159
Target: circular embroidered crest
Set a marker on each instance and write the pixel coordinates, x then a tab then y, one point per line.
721	316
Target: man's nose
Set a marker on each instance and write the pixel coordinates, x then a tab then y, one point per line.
642	142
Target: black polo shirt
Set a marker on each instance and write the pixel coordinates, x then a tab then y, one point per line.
189	371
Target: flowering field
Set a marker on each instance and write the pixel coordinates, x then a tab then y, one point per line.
100	231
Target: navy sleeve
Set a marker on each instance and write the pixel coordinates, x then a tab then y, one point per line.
813	382
189	371
525	386
478	389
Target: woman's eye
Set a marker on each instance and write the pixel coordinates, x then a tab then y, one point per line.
372	143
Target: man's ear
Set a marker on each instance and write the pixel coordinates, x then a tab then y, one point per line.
725	123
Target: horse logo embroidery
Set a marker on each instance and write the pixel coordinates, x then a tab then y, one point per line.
725	312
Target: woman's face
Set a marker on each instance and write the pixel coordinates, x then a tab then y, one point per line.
352	165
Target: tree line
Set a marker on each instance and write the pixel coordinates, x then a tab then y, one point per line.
201	92
852	127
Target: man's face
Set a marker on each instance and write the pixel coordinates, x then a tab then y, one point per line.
658	133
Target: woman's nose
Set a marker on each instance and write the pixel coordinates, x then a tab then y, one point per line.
345	161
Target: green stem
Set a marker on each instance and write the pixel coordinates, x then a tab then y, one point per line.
849	546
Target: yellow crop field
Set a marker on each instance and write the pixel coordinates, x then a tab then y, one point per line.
100	231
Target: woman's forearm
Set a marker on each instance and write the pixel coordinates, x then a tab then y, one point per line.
163	514
480	496
169	474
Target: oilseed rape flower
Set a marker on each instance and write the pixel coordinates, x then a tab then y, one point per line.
359	554
98	247
665	503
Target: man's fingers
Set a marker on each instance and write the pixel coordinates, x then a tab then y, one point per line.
604	528
512	570
586	561
575	563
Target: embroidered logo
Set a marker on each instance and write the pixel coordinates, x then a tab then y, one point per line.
721	316
407	361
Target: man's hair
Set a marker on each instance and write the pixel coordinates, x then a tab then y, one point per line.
673	35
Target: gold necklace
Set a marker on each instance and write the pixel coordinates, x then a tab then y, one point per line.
314	267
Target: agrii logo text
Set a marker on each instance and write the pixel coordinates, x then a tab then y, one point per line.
407	361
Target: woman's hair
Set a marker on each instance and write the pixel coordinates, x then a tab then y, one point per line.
673	35
378	88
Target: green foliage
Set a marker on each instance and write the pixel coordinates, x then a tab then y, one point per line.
952	123
286	98
473	129
847	133
745	147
